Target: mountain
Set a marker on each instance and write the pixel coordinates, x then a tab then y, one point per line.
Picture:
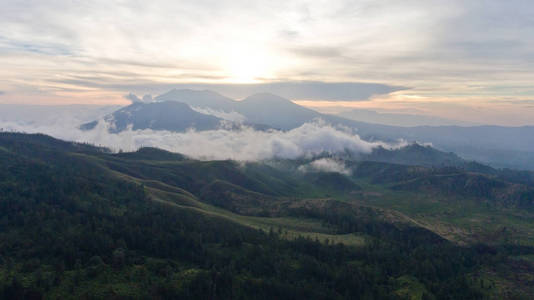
77	221
262	108
169	115
275	111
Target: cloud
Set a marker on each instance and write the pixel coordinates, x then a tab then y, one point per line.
325	165
295	90
46	46
244	144
133	98
308	90
51	116
317	51
147	98
229	116
2	93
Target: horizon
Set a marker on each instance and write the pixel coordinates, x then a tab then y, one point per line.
385	116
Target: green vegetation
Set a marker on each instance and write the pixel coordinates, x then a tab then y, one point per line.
79	222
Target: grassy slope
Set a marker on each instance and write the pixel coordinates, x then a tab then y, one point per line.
459	218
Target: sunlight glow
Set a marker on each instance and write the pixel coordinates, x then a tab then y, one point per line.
245	64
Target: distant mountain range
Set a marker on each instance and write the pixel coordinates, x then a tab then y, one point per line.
400	119
499	146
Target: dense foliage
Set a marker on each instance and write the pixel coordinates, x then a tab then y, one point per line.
71	228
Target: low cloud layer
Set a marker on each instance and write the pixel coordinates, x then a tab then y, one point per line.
229	116
133	97
245	144
325	165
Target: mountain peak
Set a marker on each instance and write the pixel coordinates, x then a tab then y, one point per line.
199	98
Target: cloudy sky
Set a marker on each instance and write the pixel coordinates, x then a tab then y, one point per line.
466	60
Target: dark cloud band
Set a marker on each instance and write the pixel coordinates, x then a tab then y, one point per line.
302	90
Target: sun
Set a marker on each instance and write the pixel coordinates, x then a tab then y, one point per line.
247	65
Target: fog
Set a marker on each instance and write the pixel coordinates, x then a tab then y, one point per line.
243	143
229	116
325	165
39	115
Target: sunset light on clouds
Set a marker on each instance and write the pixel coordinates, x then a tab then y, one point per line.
467	60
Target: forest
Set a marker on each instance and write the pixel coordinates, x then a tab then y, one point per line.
80	222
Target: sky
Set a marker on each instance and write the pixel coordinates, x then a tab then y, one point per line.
465	60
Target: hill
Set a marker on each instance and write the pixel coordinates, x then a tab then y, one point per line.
78	221
415	154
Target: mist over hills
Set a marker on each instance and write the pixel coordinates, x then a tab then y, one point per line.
510	147
52	114
257	127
